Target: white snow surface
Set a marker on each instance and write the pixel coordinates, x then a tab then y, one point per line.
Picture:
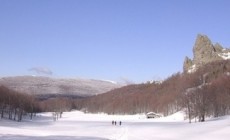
192	69
225	55
79	126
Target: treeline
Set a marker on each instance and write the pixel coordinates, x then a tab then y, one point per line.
15	105
210	94
203	93
141	98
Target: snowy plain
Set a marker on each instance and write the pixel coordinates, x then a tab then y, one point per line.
79	126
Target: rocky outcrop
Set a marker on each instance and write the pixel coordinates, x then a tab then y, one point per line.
205	52
187	63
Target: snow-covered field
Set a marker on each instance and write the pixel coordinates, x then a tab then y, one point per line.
79	126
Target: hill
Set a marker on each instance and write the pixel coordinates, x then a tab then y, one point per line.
51	87
202	92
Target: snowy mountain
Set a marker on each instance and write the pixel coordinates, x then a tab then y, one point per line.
57	86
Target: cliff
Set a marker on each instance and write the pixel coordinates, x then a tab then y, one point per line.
204	51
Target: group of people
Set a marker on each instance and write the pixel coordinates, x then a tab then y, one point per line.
116	123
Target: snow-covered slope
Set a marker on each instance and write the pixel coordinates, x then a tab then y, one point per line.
46	85
225	55
79	126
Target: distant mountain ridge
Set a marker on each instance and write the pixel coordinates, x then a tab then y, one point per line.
38	85
204	52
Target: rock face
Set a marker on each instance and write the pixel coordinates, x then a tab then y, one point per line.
57	86
205	52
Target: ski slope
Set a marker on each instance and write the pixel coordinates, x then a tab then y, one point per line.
79	126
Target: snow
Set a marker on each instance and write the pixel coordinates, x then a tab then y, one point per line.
110	81
225	55
79	126
155	81
192	69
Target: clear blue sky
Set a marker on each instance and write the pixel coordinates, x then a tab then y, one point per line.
137	40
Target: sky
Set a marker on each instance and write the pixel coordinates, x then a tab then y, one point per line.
134	40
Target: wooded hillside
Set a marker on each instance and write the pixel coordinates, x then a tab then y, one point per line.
203	93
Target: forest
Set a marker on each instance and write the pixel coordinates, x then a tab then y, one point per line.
203	93
15	105
200	94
